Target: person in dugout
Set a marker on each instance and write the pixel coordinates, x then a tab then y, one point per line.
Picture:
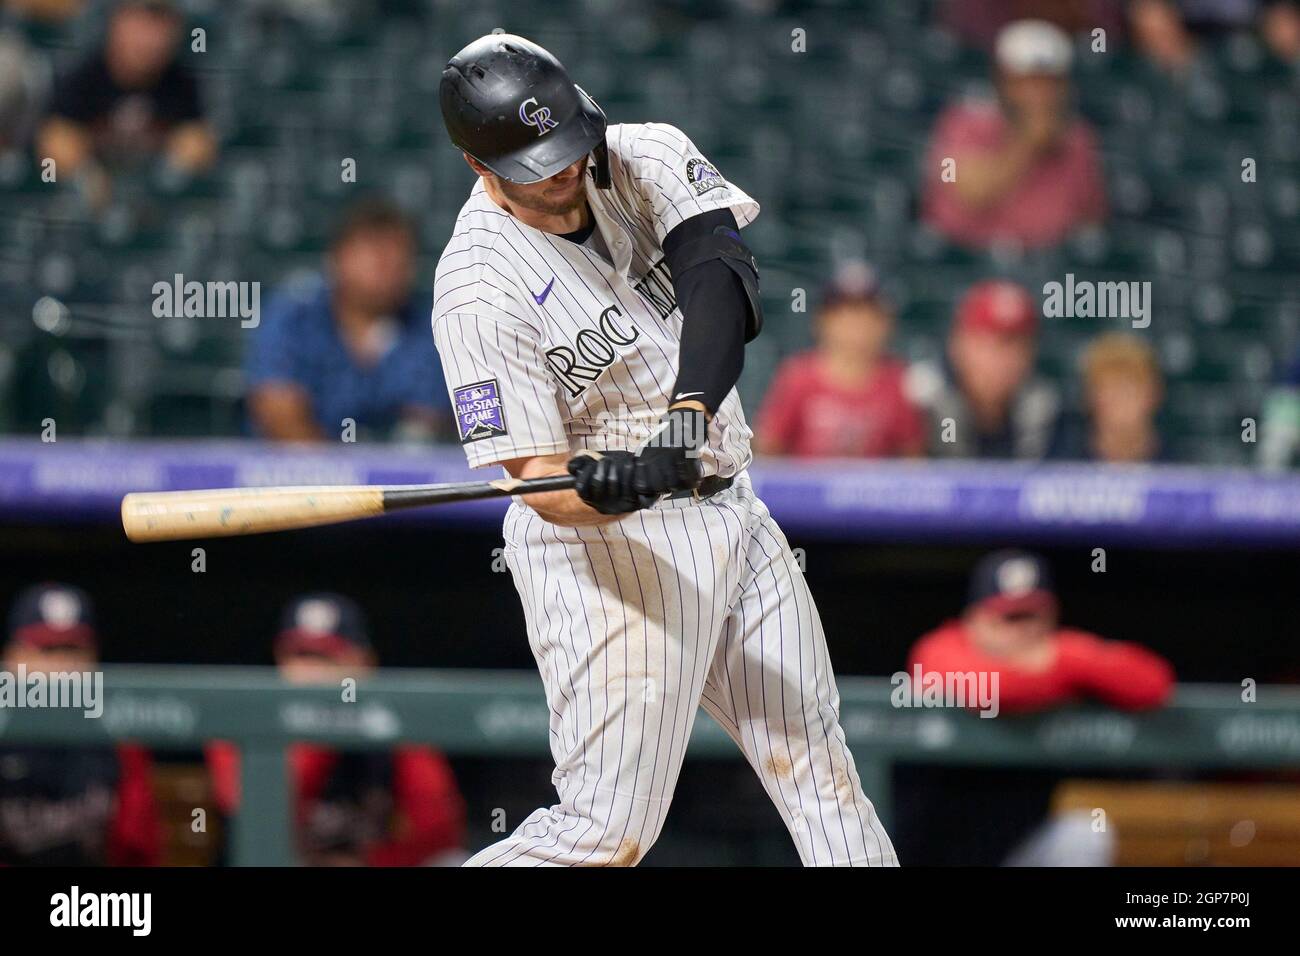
1011	627
398	808
62	805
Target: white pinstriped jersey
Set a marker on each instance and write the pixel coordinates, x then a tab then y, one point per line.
546	346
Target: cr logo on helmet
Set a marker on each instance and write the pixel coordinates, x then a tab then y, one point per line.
539	117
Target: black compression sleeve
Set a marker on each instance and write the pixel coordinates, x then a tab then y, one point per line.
715	316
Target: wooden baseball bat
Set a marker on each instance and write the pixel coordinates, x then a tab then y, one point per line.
178	515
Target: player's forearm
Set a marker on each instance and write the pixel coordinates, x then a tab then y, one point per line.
712	353
557	507
715	282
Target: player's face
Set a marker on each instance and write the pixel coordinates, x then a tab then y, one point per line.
561	194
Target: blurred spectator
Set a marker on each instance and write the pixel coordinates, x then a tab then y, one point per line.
1010	628
1279	25
1123	389
130	99
1160	34
977	22
986	403
843	398
354	344
70	806
1027	170
1279	437
22	82
44	11
400	808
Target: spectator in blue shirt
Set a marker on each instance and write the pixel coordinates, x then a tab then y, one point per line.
353	346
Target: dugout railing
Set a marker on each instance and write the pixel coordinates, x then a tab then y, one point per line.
483	713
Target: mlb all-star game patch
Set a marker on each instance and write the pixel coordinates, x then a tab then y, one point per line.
479	413
702	176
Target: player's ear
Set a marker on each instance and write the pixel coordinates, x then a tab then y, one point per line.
478	167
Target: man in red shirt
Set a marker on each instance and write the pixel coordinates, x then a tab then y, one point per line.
1022	170
352	809
845	397
1010	627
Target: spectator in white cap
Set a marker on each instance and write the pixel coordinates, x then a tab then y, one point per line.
1022	170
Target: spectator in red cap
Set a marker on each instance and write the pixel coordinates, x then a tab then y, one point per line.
352	809
986	402
1010	627
1023	170
70	806
844	397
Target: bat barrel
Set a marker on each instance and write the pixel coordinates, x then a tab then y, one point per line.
177	515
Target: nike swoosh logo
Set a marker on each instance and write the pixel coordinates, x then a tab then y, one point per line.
539	299
684	395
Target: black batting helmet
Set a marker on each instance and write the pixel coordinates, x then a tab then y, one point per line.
511	105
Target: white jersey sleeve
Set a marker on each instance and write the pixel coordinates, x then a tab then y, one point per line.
502	396
674	179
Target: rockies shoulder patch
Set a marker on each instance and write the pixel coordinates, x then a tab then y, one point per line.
702	176
479	413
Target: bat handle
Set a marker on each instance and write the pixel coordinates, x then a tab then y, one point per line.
417	496
531	486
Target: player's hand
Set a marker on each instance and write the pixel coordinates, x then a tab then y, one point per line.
604	480
670	458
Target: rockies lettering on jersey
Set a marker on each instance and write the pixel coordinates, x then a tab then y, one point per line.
657	288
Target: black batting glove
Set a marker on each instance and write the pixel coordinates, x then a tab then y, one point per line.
670	459
604	480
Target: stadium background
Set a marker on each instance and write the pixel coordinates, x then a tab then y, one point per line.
830	141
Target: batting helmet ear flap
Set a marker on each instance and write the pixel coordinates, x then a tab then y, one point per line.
601	172
601	150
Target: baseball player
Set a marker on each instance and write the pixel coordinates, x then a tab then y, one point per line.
591	312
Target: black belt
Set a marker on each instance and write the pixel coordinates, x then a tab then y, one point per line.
709	487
